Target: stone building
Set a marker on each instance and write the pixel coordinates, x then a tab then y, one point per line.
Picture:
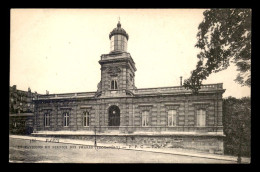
21	110
120	112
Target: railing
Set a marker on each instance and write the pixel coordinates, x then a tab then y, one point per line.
136	91
173	129
67	95
176	89
212	86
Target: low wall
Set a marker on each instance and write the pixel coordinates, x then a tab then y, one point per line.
210	144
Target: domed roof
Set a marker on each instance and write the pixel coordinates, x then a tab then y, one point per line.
118	30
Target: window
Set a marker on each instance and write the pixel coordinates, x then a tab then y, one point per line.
66	119
86	119
113	85
201	117
46	120
145	118
172	118
118	42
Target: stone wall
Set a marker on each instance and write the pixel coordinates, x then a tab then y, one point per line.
198	143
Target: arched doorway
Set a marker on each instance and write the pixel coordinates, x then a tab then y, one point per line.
114	116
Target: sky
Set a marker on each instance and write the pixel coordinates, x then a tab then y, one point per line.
58	49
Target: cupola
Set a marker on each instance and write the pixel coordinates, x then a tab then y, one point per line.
118	39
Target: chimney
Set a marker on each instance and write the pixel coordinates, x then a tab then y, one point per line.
181	80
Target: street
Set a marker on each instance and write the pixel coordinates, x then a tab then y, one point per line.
21	150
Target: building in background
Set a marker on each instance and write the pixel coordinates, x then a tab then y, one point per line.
21	110
120	112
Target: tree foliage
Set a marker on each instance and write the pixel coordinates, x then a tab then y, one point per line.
224	36
237	125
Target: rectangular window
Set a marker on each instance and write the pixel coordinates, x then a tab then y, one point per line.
145	118
66	119
172	118
112	46
86	119
119	37
201	117
46	120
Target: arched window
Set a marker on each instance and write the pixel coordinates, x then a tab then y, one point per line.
66	119
201	117
113	85
172	118
46	120
86	119
145	118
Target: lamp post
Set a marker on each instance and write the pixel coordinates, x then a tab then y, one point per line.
95	144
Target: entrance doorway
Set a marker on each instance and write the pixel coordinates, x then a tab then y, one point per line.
114	116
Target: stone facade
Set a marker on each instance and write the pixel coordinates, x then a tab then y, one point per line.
131	109
118	106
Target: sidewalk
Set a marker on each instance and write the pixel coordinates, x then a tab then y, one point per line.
174	151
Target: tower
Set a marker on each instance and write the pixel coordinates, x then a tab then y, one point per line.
117	67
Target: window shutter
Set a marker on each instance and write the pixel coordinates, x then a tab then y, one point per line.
88	117
64	119
83	119
203	118
68	119
198	118
49	119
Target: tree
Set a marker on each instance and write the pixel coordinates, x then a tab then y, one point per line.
224	36
237	125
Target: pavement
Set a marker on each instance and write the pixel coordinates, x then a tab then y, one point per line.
173	151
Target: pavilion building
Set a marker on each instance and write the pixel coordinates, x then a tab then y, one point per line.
120	112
